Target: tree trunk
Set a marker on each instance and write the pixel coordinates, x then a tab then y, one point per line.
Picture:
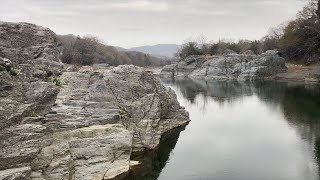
318	10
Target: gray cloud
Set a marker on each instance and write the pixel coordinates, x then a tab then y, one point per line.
130	23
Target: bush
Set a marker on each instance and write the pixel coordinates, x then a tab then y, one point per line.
188	49
301	42
14	71
34	114
58	81
219	48
122	113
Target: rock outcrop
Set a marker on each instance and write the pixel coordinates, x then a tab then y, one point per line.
85	129
231	66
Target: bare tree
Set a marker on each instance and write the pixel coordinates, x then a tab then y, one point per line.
318	10
277	32
309	11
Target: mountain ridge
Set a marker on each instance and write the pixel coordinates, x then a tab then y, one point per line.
159	50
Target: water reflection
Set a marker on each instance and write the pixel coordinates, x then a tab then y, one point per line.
242	131
296	104
301	107
152	162
227	90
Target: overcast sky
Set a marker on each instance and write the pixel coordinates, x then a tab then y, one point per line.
130	23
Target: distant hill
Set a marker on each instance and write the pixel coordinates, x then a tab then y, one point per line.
89	50
159	50
120	48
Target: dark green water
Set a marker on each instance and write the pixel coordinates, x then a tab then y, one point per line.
240	131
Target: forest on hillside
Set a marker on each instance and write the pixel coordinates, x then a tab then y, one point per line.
90	50
297	41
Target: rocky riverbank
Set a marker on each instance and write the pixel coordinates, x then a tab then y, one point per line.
300	73
61	123
232	66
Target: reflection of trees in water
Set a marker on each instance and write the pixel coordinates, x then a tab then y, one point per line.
300	103
218	90
228	91
317	152
270	92
152	162
188	88
301	107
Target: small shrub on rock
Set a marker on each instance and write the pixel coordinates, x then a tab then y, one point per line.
14	71
34	114
58	81
122	112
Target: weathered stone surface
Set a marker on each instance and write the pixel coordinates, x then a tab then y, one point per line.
15	174
86	153
32	50
151	108
24	93
5	64
231	66
86	129
32	47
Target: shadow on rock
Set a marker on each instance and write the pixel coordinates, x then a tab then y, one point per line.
152	162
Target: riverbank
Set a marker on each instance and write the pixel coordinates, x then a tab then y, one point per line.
300	73
241	67
230	66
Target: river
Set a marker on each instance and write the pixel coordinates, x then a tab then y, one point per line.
240	131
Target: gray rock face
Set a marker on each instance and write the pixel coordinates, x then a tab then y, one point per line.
228	67
86	129
32	50
151	109
17	173
32	47
94	152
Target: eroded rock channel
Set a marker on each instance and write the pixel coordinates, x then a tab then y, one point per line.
85	129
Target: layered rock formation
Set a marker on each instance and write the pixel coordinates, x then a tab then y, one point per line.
85	129
229	67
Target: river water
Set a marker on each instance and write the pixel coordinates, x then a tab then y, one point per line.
240	131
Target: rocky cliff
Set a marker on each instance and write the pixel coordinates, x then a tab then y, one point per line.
56	123
231	66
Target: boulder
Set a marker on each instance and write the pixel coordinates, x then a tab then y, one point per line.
271	53
31	47
150	108
229	52
249	52
32	50
5	64
169	70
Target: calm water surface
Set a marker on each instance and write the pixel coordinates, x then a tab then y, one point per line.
240	131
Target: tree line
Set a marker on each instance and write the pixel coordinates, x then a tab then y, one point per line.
220	48
297	40
89	50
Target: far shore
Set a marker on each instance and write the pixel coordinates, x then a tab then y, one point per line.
300	73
